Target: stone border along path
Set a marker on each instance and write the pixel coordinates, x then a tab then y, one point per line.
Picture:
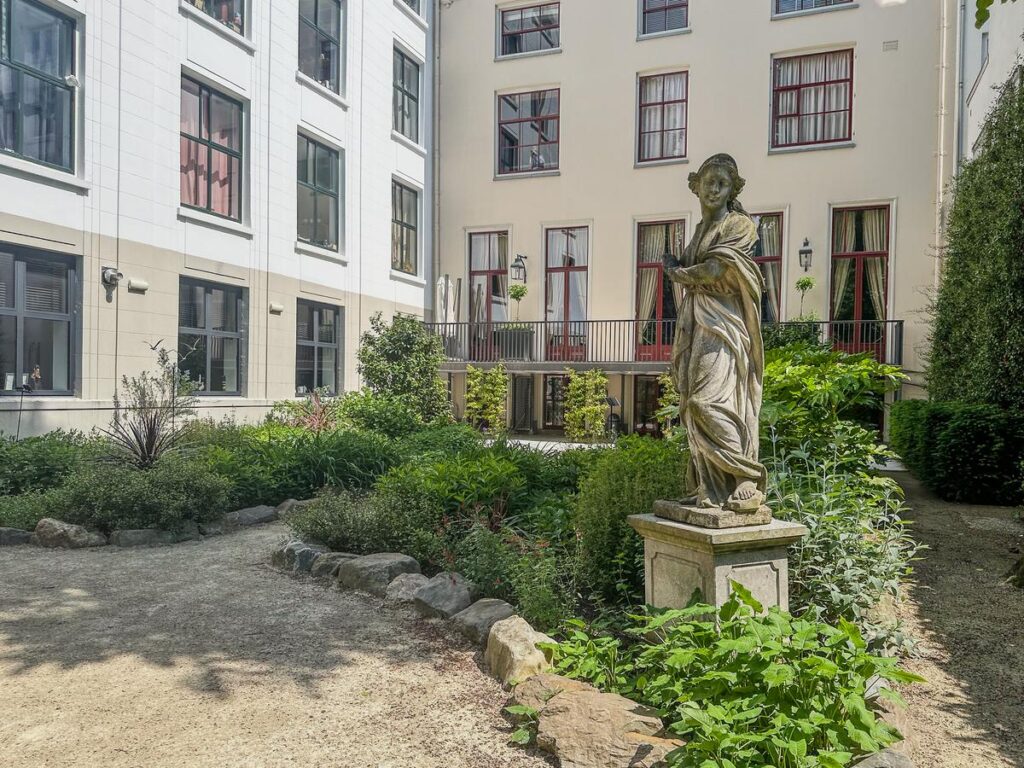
201	655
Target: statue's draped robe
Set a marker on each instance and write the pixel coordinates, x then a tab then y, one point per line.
718	361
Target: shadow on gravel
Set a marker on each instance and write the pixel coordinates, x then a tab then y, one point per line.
969	611
215	608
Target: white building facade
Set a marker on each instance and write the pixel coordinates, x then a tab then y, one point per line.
258	174
566	138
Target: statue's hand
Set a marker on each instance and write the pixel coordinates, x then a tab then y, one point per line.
669	261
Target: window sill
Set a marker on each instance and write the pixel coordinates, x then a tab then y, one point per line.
664	161
527	54
667	33
812	147
217	222
526	175
304	79
44	173
405	141
813	11
416	18
211	23
405	277
321	253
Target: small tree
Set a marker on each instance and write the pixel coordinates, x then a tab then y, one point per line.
402	359
486	397
149	415
517	293
804	284
586	406
668	406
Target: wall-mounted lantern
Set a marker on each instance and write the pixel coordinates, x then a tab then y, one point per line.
806	254
519	269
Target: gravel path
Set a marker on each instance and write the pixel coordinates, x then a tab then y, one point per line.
969	620
201	655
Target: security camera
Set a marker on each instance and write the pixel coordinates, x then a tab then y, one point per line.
111	276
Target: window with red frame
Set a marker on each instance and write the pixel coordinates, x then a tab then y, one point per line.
665	15
528	126
859	287
812	100
568	255
488	277
792	6
530	29
663	112
768	257
657	299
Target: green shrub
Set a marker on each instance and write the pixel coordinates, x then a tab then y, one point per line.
384	414
436	443
317	411
586	405
966	453
39	463
779	335
746	690
487	398
623	482
108	496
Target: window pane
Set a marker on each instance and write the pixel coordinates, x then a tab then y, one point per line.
223	365
326	219
225	122
223	309
305	381
330	61
307	9
307	214
8	351
47	358
189	108
327	327
46	287
304	321
8	107
191	306
330	18
326	169
302	160
309	51
45	121
193	173
224	181
40	39
327	369
192	358
6	280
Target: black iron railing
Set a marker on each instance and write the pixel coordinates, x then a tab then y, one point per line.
639	341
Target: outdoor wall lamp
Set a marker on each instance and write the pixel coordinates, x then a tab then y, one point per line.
806	254
519	268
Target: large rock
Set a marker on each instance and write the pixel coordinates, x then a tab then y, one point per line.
373	573
306	556
538	690
144	537
512	653
590	729
890	758
284	556
212	528
326	565
188	531
10	537
242	518
402	589
476	621
443	596
54	533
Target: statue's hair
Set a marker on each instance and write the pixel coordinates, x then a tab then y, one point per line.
727	162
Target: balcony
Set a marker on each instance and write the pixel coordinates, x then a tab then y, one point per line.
629	346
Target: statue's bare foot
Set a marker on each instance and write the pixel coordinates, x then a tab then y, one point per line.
746	498
744	491
688	501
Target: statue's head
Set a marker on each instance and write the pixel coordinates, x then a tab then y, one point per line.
718	182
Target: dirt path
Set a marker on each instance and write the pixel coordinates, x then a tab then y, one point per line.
972	629
200	655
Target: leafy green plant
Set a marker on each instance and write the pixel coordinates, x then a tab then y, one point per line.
983	11
487	397
402	360
527	718
744	688
586	405
319	411
437	443
39	463
517	292
668	408
804	285
389	415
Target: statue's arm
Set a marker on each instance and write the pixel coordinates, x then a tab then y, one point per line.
709	271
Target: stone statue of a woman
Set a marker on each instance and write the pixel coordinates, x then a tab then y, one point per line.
718	356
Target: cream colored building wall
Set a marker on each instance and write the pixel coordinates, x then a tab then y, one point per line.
904	85
121	206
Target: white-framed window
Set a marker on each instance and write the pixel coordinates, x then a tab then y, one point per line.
318	179
406	112
321	42
405	228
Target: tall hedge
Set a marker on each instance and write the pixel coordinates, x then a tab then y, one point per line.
977	353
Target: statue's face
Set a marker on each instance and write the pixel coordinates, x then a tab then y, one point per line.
715	188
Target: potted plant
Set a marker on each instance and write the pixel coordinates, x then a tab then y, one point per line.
514	341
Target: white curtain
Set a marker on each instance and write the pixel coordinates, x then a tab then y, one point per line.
874	268
770	232
844	235
652	247
787	73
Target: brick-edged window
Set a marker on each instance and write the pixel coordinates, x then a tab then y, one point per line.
792	6
211	335
317	347
37	105
768	257
812	100
406	96
664	16
320	49
39	302
230	13
211	150
530	29
528	129
405	215
663	112
318	173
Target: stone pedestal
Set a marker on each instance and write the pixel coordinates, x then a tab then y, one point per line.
680	558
